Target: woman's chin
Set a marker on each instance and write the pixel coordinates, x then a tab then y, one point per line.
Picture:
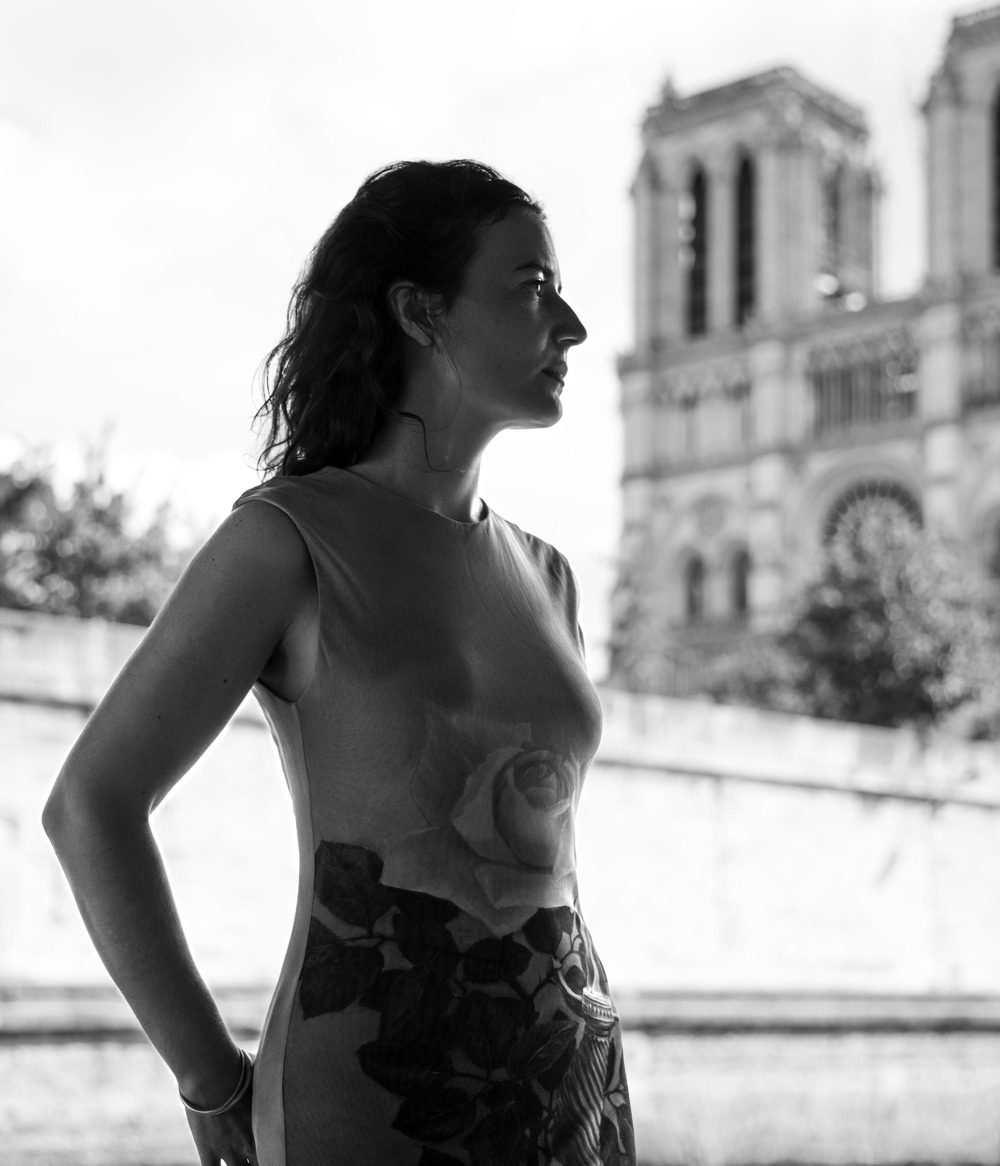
542	418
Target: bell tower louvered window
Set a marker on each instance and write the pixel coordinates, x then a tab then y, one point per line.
695	236
745	231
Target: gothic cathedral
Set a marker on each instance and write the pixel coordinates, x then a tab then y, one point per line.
771	395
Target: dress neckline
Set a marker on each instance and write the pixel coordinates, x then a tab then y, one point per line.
453	523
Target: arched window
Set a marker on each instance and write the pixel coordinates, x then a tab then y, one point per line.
995	208
694	589
694	231
746	256
832	220
739	584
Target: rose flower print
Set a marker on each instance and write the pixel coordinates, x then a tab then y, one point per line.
501	845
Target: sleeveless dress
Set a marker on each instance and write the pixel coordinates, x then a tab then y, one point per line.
441	1001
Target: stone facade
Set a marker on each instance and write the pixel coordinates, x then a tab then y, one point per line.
770	393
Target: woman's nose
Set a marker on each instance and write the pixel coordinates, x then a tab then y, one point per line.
571	330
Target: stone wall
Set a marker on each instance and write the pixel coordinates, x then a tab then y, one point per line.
720	848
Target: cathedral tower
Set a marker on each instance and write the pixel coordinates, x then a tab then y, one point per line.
770	395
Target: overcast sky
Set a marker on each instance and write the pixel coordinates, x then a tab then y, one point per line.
166	167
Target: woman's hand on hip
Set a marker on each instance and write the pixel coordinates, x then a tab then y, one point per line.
226	1137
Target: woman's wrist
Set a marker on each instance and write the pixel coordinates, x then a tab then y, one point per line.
214	1085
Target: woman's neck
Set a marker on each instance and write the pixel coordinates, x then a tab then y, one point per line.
435	469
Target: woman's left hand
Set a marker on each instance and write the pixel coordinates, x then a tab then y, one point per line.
226	1137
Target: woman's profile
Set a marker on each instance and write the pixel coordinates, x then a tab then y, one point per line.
419	662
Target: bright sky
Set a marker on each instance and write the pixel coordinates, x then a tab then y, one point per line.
168	164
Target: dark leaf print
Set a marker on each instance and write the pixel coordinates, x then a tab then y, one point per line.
541	1047
486	1027
420	940
431	1157
548	927
499	1138
614	1055
617	1145
377	993
435	1114
416	1007
405	1067
334	973
575	978
491	961
483	1005
347	884
518	1094
551	1078
420	905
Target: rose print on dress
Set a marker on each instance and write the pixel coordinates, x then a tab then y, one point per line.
499	837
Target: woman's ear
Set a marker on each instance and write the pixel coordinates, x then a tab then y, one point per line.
408	304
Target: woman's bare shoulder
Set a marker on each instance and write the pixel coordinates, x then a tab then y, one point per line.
213	638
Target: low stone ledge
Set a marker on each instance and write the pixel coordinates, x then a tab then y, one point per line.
30	1013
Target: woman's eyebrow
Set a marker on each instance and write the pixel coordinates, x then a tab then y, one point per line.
538	265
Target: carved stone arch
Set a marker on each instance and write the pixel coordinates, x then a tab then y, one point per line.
688	167
692	578
820	497
870	498
735	563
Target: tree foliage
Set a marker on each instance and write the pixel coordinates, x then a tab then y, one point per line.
893	631
81	555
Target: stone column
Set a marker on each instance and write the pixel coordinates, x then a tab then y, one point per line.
638	413
644	196
943	176
670	326
939	339
769	215
976	212
768	488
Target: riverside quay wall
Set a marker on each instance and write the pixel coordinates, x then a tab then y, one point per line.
800	919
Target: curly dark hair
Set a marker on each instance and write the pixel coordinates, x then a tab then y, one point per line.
335	377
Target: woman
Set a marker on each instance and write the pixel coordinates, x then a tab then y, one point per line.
419	662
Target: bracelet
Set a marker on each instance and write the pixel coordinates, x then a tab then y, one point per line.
246	1076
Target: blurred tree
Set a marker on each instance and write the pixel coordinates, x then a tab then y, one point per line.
893	631
78	556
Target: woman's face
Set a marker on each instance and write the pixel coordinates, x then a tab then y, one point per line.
509	330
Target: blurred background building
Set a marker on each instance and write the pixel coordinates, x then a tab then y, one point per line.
772	397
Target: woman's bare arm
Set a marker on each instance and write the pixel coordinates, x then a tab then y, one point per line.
238	601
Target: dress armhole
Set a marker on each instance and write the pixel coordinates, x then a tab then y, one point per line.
276	502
